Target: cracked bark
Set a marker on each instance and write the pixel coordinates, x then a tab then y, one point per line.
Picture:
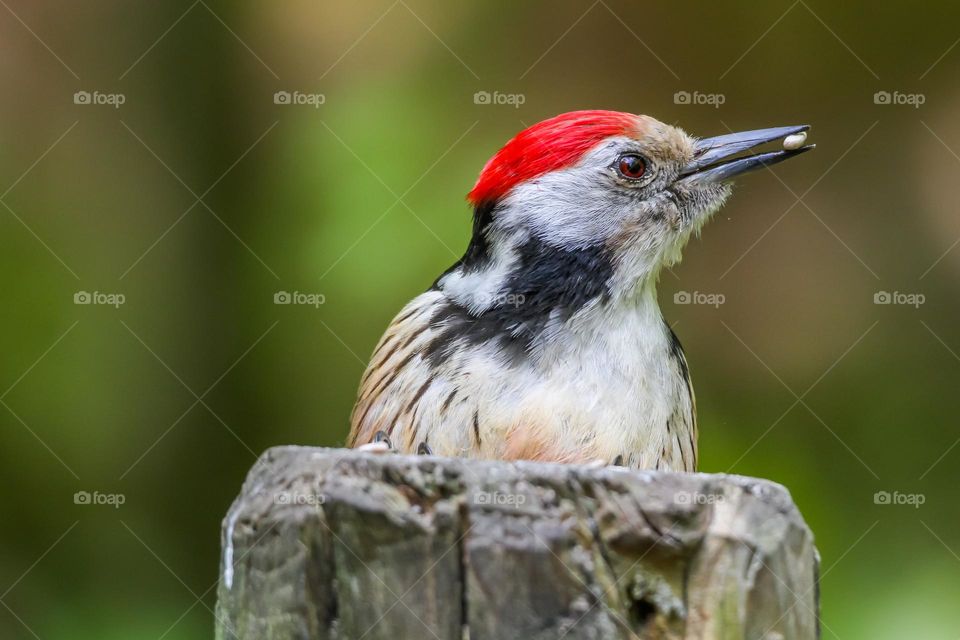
336	544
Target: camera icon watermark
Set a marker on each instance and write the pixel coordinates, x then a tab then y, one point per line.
697	497
914	500
914	100
299	298
296	499
503	299
514	100
499	499
95	498
299	98
899	298
714	100
114	300
698	297
97	98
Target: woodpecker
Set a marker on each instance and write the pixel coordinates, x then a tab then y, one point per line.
545	340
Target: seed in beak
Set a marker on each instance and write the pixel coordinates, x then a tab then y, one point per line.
795	141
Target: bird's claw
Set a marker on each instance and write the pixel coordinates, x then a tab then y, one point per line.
600	463
374	447
380	444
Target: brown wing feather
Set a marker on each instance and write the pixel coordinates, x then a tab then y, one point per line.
396	352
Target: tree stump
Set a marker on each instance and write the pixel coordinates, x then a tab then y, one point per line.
340	544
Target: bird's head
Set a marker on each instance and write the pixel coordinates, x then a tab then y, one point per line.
594	203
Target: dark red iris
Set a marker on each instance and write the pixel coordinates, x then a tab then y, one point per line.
632	166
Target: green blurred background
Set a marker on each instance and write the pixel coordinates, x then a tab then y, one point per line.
199	198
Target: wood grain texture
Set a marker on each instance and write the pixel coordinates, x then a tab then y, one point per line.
337	544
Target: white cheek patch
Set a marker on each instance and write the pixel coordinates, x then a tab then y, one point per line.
482	289
565	208
573	207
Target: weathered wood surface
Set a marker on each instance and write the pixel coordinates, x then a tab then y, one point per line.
332	543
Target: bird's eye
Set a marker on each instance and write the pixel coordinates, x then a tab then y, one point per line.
632	166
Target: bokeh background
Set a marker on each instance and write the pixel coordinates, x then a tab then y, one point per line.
179	182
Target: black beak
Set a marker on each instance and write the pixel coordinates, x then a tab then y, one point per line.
714	160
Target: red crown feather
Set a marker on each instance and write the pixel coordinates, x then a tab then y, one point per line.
547	146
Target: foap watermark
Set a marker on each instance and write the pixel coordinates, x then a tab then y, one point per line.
297	499
697	98
499	499
899	297
899	98
514	300
914	500
698	297
299	98
99	298
98	98
95	498
697	497
512	99
299	297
